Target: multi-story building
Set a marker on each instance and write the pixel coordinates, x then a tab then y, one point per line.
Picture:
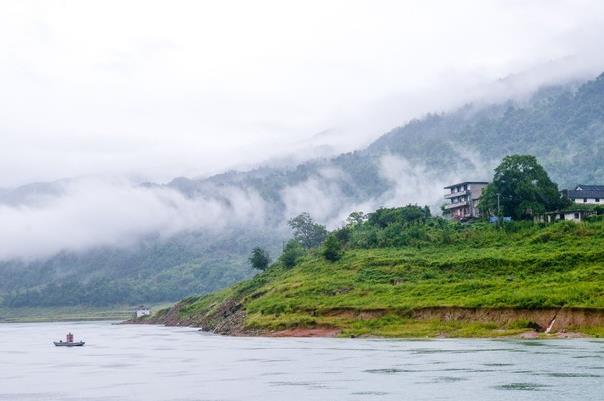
586	194
464	198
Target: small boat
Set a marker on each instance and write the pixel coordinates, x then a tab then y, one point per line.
69	342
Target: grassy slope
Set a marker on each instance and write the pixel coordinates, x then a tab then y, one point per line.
557	266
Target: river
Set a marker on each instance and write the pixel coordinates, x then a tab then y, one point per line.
136	362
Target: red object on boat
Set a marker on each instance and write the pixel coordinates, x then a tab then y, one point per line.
69	337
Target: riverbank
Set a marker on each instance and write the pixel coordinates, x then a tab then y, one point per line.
429	322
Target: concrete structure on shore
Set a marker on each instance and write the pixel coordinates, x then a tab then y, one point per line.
142	311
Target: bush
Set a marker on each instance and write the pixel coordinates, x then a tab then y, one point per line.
292	253
259	259
332	249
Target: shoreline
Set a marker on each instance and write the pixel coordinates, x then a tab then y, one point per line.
443	322
326	332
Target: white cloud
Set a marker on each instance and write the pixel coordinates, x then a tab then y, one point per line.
150	90
320	195
90	213
153	90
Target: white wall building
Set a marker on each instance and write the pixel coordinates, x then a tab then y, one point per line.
567	215
142	311
586	194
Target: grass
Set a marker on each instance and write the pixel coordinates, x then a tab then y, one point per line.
561	265
68	313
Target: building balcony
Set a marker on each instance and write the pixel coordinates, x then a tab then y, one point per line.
456	194
456	205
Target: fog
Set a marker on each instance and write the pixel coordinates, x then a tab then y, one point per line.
148	91
90	213
81	214
152	90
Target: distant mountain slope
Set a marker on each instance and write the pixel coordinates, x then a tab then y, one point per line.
563	127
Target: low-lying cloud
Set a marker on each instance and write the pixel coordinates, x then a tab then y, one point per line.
80	215
99	212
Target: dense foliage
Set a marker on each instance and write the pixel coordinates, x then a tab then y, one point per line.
259	259
308	233
154	272
293	251
332	248
394	227
521	188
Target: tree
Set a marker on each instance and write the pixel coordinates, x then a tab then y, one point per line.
332	248
259	259
306	231
356	218
520	189
292	252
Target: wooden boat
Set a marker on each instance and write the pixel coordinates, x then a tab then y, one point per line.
69	342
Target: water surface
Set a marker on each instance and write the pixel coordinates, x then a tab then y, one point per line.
159	363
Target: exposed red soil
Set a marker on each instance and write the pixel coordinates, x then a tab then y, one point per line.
306	332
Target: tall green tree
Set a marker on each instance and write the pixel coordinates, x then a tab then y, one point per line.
306	231
520	189
356	218
259	259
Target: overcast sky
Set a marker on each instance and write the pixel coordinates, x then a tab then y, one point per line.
153	90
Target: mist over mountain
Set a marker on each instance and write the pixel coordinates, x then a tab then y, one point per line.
106	241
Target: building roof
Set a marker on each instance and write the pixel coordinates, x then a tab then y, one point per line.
582	187
467	182
586	191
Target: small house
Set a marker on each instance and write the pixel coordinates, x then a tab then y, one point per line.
142	311
570	214
586	194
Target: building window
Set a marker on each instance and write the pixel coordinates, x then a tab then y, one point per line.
577	216
597	200
584	200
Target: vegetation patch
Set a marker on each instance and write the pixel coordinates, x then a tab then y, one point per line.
378	291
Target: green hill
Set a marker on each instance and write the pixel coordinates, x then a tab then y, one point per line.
452	280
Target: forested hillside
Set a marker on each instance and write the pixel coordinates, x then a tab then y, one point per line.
563	127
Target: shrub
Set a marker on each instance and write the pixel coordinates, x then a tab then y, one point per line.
292	253
259	259
332	248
